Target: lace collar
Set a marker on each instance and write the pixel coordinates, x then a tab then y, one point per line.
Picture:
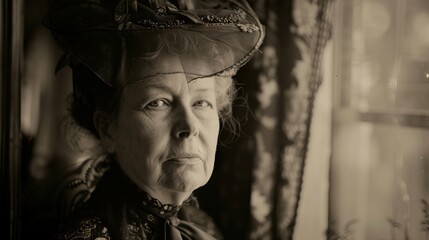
148	214
147	203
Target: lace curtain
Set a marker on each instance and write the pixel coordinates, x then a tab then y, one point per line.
259	177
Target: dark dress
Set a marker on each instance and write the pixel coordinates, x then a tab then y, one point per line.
118	209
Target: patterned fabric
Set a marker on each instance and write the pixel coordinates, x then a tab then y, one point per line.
145	217
310	34
79	184
282	85
85	228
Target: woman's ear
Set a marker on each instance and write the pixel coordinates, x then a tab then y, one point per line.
103	122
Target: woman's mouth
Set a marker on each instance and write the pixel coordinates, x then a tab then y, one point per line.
186	158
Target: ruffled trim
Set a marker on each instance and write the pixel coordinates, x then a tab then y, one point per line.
163	210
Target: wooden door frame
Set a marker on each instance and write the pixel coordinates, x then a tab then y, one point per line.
11	49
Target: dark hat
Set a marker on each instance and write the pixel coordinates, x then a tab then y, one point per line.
115	38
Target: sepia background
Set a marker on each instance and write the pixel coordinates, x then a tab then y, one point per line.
334	142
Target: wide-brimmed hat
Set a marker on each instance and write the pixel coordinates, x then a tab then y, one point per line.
115	38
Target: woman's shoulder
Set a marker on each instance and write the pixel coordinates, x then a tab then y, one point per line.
83	226
200	218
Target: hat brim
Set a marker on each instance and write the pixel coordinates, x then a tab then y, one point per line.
213	42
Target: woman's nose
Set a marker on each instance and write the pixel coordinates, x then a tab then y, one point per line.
187	124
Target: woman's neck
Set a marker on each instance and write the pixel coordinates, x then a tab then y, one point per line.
166	196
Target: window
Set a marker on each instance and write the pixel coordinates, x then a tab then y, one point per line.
380	159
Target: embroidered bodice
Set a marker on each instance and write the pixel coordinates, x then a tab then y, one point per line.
120	210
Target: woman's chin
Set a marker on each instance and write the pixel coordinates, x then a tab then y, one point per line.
185	178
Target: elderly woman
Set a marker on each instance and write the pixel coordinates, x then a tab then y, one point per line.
152	79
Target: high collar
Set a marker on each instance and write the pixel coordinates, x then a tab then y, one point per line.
145	202
150	212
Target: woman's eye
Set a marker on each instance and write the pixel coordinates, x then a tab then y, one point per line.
202	104
157	104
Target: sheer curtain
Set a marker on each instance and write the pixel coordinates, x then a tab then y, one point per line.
260	177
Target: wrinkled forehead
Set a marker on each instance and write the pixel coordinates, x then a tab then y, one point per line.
172	83
139	68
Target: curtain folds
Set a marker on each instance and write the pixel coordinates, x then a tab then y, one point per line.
281	82
301	29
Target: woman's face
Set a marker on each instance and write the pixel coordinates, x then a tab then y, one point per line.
166	133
